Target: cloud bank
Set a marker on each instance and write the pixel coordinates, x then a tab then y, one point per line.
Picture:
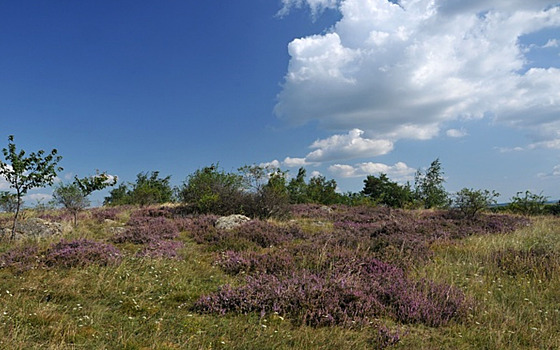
401	71
399	172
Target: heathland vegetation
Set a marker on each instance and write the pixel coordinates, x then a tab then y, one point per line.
397	265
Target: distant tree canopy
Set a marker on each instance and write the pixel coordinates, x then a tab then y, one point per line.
428	187
211	190
386	192
8	202
470	202
73	196
148	189
528	203
317	190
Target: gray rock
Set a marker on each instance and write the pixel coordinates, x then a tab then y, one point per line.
36	227
231	221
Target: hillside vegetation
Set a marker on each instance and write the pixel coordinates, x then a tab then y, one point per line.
325	278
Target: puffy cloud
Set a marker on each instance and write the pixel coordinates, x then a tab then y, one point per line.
456	133
4	185
552	43
341	147
37	198
294	162
399	171
316	6
315	173
275	164
351	145
554	173
401	70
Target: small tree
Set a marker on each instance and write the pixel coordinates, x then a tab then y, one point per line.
386	192
470	202
8	202
323	191
528	203
25	173
148	189
297	188
209	190
96	182
72	197
429	187
265	194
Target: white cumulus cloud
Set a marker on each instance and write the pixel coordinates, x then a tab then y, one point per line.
347	146
552	43
456	133
401	70
399	171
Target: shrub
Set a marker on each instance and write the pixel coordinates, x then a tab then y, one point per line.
470	202
81	252
209	190
277	262
21	258
161	249
143	229
527	203
353	293
148	189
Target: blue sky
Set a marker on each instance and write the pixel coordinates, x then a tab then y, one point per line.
345	88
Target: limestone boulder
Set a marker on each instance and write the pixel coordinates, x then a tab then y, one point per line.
232	221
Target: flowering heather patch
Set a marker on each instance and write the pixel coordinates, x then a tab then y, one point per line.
202	228
266	234
277	262
81	252
143	229
20	258
161	249
352	293
537	262
261	233
402	237
60	216
106	213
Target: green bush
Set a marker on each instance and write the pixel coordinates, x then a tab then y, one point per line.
528	203
148	189
470	202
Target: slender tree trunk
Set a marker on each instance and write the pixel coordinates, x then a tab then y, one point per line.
16	216
75	218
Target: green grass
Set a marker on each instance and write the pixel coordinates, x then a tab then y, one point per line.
145	303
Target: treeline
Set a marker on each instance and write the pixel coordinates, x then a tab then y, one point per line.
264	192
253	190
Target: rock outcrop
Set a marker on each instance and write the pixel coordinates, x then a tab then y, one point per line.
230	222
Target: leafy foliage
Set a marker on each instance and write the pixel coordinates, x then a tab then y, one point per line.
528	203
8	202
429	187
148	189
24	173
386	192
470	202
96	182
72	197
209	190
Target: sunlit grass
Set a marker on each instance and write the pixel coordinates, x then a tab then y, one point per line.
146	303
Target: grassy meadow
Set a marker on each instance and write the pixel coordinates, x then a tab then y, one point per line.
343	278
